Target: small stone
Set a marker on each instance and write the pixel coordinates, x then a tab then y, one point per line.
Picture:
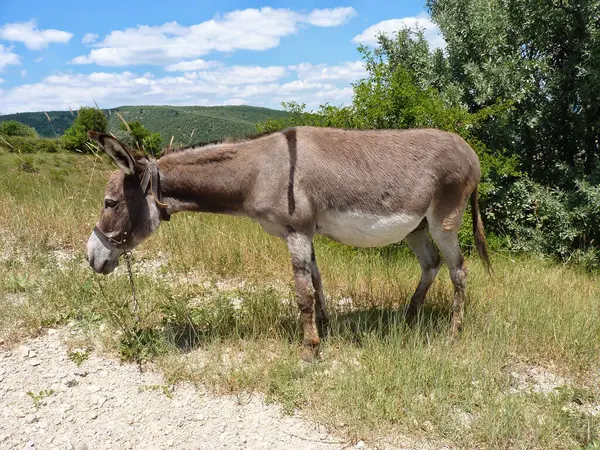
93	388
35	362
427	426
30	418
30	445
23	351
360	444
79	373
101	401
170	443
93	415
32	353
103	373
81	446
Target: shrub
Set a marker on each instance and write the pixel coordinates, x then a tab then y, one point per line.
23	144
87	119
14	128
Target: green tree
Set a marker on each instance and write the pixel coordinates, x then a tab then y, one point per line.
544	57
14	128
87	119
143	138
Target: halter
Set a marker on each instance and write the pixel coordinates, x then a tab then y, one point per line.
150	179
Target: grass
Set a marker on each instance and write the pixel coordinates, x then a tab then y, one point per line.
217	308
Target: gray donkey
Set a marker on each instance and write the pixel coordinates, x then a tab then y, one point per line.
361	188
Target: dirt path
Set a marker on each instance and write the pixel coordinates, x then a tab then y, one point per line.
106	404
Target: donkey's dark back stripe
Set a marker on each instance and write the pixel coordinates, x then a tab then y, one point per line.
290	135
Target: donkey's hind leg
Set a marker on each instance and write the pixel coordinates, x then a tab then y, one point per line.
444	223
429	259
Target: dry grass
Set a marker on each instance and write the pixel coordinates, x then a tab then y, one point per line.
217	308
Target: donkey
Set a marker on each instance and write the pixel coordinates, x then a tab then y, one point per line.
363	188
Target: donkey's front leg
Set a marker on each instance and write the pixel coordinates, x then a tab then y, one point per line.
300	247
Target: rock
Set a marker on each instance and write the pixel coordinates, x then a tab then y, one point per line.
32	353
101	401
79	373
35	362
360	444
427	426
30	445
93	415
170	443
81	446
30	418
23	351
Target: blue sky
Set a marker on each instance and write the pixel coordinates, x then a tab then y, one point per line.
56	55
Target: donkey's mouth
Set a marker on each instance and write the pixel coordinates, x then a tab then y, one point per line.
100	258
108	267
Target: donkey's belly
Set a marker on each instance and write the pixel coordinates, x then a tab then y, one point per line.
366	230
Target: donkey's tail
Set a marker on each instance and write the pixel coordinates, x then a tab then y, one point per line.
479	233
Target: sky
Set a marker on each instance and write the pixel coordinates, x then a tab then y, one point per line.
66	54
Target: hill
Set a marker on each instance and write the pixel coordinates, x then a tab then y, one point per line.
206	122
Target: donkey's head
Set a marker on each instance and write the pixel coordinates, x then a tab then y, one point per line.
130	212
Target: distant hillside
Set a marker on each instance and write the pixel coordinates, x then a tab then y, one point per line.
207	123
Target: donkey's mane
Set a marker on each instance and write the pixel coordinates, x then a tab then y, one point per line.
232	140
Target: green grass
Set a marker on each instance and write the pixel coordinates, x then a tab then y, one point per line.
219	311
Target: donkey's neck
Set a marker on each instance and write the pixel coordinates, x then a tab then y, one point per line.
207	179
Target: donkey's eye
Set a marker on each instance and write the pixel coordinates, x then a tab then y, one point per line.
108	203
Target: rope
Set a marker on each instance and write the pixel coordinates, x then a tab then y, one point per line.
136	308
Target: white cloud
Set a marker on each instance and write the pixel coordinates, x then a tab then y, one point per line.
254	85
38	60
235	101
8	58
239	75
186	66
422	21
249	29
89	38
349	71
23	73
330	17
32	37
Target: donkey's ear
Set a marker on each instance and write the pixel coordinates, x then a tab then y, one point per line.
118	151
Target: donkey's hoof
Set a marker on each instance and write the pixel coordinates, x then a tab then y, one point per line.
323	326
456	330
410	312
310	353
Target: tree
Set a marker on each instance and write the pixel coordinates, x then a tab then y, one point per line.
544	57
87	119
143	138
14	128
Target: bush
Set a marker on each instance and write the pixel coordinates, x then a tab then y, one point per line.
14	128
22	144
87	119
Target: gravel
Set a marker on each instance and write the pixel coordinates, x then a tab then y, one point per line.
107	404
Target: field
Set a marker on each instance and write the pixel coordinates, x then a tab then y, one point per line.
216	307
